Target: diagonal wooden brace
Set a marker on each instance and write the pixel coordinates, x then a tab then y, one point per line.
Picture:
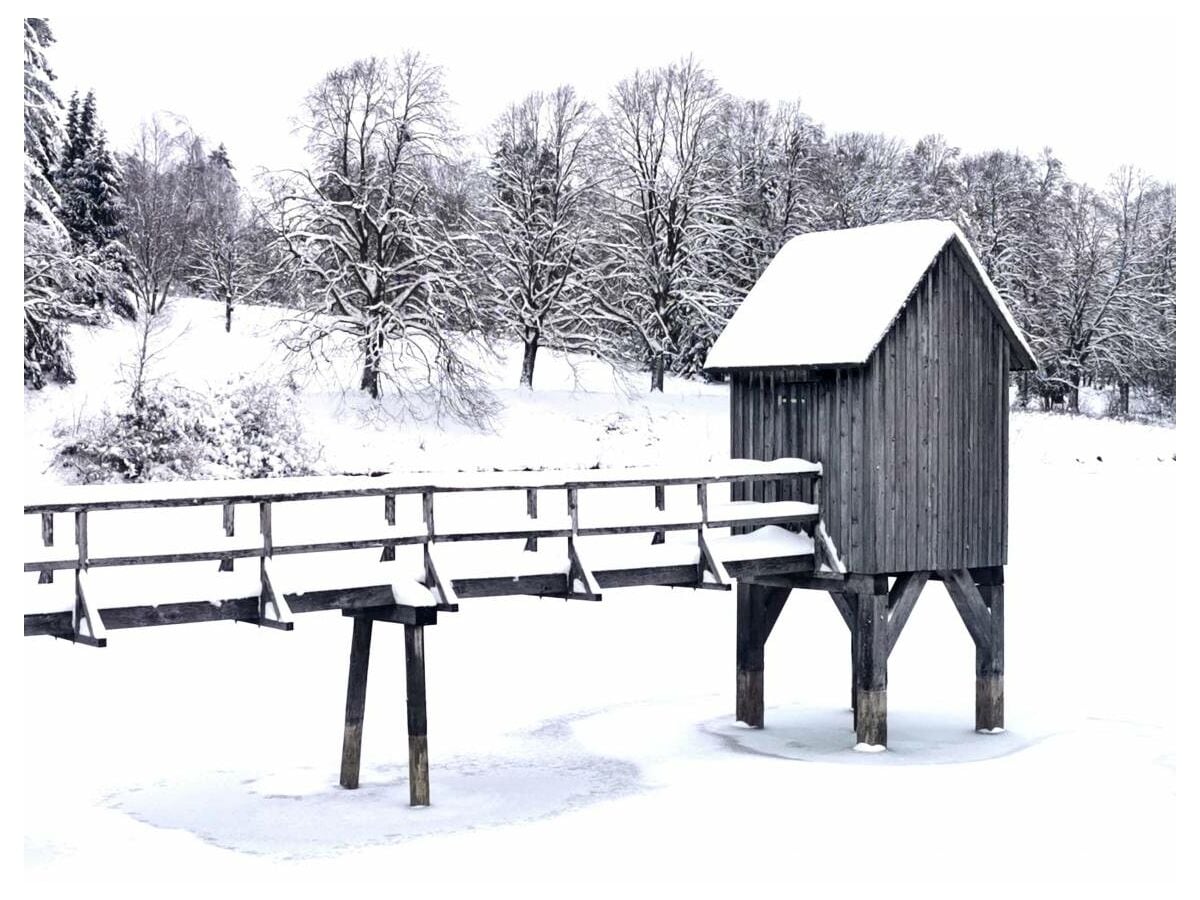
711	563
86	625
578	573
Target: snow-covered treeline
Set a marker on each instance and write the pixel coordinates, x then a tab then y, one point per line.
627	227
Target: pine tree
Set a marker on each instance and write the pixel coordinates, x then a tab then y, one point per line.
48	262
89	187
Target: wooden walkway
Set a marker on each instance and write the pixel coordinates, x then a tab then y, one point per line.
552	549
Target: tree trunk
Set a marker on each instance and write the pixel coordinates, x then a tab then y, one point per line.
1124	395
1074	394
658	364
1023	391
228	313
531	349
371	360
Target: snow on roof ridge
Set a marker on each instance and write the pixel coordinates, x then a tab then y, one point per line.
863	278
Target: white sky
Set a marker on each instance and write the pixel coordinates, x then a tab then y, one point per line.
1099	88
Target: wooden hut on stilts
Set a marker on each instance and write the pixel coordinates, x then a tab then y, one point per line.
884	354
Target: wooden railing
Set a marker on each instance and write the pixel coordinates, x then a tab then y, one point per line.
275	604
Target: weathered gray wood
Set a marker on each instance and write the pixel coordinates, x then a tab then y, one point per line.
356	701
531	509
389	517
660	503
757	609
989	664
581	574
969	603
870	660
227	522
901	600
418	727
46	576
87	626
844	607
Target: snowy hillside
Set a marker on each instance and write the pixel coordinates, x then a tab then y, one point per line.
581	741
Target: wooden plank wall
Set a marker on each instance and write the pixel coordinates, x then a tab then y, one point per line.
914	443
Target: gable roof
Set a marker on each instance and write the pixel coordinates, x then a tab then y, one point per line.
829	297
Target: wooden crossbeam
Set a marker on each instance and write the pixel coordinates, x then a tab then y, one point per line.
901	600
86	624
969	603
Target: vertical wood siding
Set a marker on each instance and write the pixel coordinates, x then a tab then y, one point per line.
914	442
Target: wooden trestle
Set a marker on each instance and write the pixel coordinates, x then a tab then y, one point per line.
774	548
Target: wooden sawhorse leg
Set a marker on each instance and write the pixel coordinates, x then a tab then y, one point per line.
356	696
418	740
356	700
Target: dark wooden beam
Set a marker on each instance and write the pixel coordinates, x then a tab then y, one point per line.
356	700
870	660
418	727
901	600
969	603
758	608
989	664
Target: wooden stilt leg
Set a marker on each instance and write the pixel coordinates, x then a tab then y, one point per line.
989	664
758	608
418	741
356	699
750	644
871	646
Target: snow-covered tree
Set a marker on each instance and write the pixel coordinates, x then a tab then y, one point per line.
93	209
671	229
163	191
771	155
233	255
860	180
51	269
536	238
366	228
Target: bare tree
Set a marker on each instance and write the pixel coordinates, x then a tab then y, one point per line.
234	255
861	180
537	244
772	157
672	226
162	190
364	229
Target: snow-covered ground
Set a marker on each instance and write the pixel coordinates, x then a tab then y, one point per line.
581	741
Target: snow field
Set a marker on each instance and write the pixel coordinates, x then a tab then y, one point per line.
595	742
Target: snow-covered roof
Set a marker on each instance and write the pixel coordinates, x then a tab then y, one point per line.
828	298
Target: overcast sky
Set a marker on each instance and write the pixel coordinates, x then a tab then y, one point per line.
1098	89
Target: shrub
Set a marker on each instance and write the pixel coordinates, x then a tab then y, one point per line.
248	430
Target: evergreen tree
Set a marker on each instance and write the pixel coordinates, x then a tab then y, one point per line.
89	187
48	261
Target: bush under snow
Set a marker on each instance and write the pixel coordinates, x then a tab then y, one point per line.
248	430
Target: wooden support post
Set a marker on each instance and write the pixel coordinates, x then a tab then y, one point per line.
418	726
660	503
870	659
389	516
979	597
758	608
46	576
226	564
427	516
531	509
356	700
989	665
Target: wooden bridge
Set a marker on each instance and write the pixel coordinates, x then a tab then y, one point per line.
551	548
